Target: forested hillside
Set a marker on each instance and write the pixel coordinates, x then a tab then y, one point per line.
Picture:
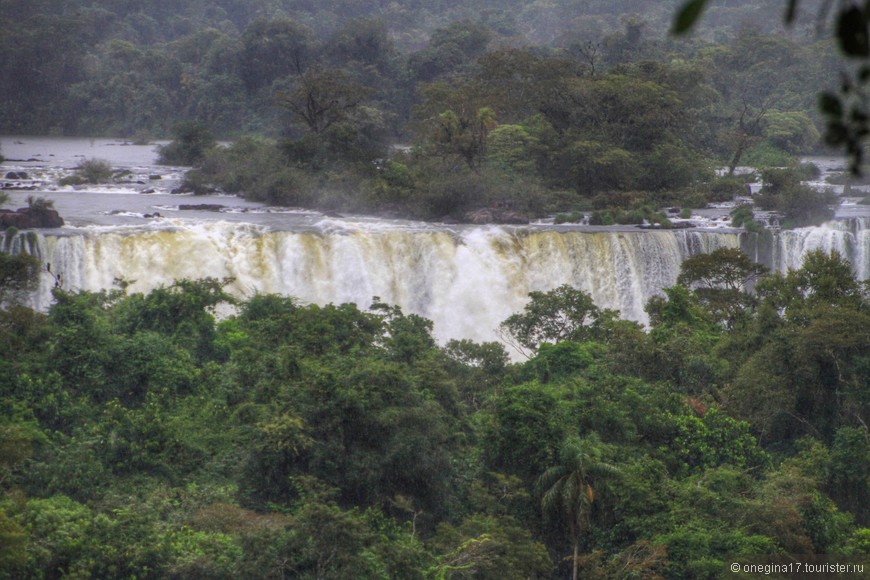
142	438
121	68
530	107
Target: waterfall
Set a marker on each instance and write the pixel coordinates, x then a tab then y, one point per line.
785	249
466	280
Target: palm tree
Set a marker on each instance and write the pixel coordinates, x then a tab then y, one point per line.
567	489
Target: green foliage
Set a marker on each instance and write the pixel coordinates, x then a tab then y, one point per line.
489	547
721	279
511	146
525	431
537	127
793	132
564	313
19	275
564	359
713	440
272	49
89	171
567	218
136	434
134	428
644	214
569	489
191	141
846	114
799	204
17	441
13	546
848	473
743	216
808	334
323	98
94	170
767	155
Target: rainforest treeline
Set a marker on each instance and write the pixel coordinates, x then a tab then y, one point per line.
142	437
429	109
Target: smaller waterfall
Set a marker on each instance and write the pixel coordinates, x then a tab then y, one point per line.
785	249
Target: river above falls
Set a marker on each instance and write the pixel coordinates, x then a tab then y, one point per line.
141	196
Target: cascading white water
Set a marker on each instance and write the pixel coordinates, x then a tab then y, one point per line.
466	280
784	250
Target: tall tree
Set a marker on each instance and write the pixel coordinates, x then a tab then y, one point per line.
322	98
273	49
568	489
564	313
721	280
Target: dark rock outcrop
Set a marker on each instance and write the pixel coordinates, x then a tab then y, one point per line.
669	226
495	216
29	218
202	207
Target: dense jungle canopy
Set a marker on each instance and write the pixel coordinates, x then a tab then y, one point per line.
144	436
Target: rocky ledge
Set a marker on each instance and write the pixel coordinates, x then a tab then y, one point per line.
495	216
28	218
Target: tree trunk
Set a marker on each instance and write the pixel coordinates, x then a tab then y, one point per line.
741	147
574	563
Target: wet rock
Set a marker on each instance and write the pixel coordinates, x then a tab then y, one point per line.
480	216
28	218
19	186
201	207
495	216
17	175
670	226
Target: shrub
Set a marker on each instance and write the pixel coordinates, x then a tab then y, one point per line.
397	175
601	218
808	171
742	216
799	204
573	217
192	140
692	199
74	179
767	155
727	187
91	171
